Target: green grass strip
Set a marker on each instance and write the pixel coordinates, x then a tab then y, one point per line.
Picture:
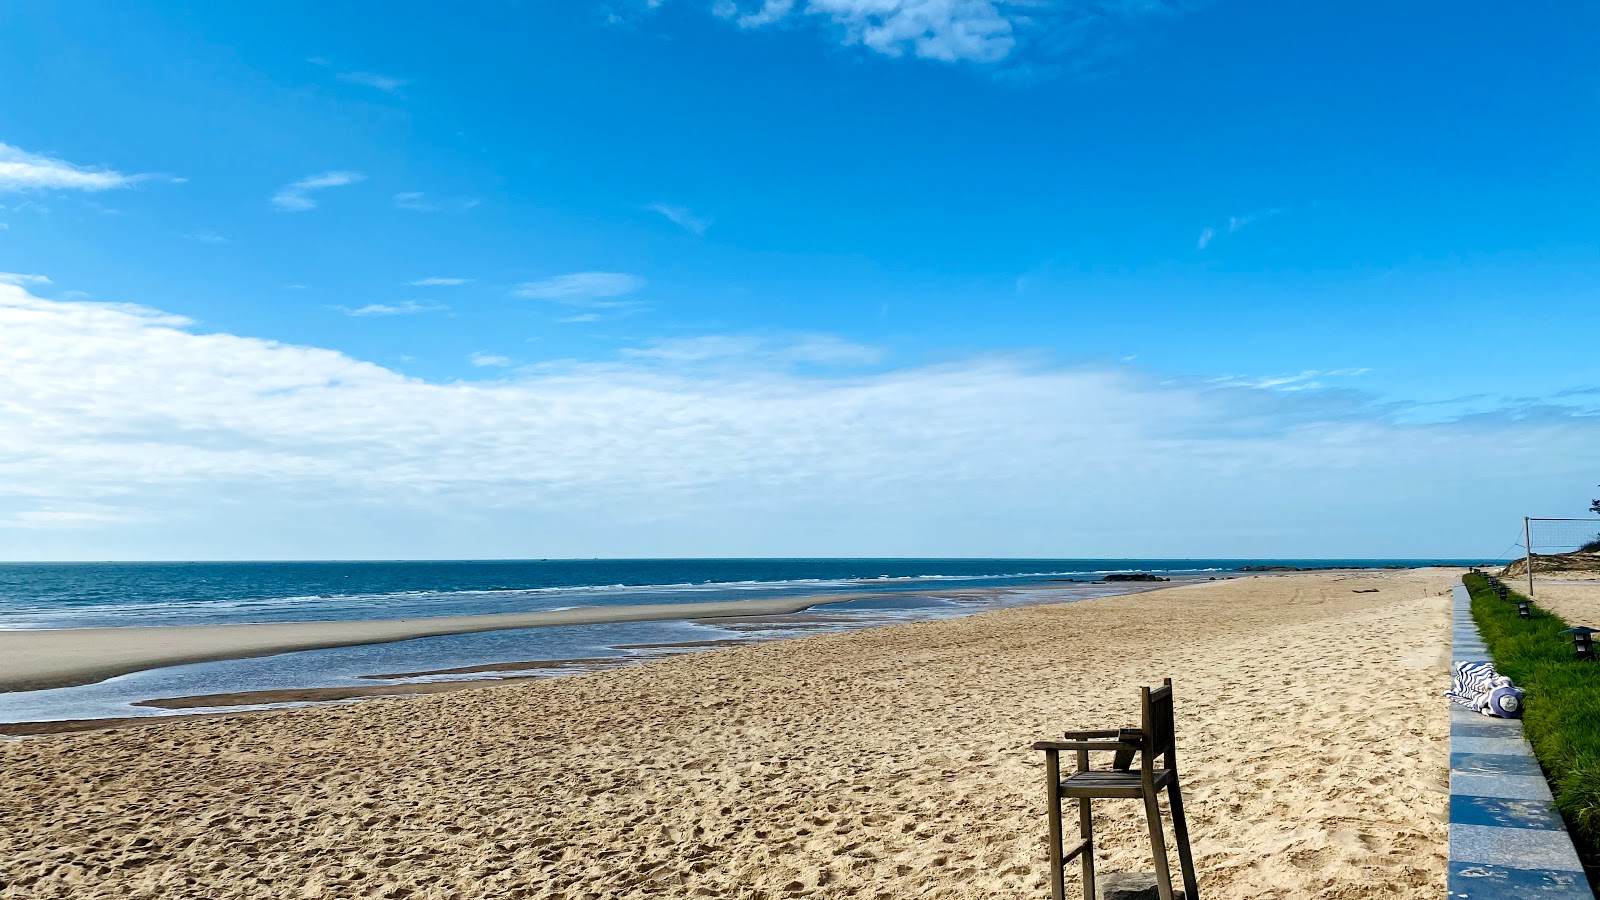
1562	715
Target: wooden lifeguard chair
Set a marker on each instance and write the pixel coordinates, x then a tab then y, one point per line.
1153	740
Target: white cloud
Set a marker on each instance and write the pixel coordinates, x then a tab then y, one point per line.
480	358
809	349
23	171
597	289
386	83
947	30
682	217
206	237
404	308
220	445
21	280
1235	224
1067	36
440	282
979	31
415	201
296	197
1309	379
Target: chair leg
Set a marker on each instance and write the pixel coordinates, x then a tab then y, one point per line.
1158	844
1180	834
1086	830
1052	774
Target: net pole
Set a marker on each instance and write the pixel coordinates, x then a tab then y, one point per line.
1527	546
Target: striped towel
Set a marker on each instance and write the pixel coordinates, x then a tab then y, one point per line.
1477	686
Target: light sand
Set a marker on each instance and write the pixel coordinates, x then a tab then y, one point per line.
887	763
33	660
1573	597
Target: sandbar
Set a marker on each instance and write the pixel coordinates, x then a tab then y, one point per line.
62	657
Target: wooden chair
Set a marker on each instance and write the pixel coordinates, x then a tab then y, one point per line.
1153	739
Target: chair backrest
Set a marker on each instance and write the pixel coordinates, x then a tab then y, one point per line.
1156	715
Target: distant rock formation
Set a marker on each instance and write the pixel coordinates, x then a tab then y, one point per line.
1558	562
1134	576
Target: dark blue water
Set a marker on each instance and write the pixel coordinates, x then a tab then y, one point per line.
75	595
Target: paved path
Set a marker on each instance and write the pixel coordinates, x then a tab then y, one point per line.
1507	842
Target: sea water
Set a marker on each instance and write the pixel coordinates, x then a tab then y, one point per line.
80	595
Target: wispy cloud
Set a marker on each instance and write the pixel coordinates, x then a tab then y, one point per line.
975	31
24	171
480	358
206	237
403	308
139	412
682	217
1307	380
594	289
440	282
1234	225
386	83
948	30
296	197
22	280
795	350
417	201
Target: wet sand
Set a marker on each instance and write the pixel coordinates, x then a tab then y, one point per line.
34	660
885	763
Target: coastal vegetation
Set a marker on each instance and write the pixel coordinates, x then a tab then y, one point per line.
1562	715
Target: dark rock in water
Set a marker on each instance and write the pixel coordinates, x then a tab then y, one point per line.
1271	569
1134	576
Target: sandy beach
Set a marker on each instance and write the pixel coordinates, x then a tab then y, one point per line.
1572	596
884	763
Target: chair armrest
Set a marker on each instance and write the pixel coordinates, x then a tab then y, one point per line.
1091	735
1079	745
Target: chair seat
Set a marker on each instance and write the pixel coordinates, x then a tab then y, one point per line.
1111	783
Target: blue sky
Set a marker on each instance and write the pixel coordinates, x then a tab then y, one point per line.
958	275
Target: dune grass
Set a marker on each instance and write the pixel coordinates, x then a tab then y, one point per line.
1562	716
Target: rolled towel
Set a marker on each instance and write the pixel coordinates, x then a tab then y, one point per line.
1476	685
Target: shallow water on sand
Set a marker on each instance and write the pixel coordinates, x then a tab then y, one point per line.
589	645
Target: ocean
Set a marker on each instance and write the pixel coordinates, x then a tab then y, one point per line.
83	595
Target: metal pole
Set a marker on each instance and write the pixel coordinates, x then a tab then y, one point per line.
1527	545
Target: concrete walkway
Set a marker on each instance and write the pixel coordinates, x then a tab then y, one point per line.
1507	842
